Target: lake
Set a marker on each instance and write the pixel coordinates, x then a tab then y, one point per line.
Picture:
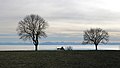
54	47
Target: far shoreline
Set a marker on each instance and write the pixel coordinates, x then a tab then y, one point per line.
58	50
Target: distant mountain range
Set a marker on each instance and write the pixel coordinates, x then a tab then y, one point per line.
52	43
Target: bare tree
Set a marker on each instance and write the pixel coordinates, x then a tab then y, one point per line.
95	36
32	27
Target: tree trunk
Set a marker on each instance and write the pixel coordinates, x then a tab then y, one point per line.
35	41
36	47
96	47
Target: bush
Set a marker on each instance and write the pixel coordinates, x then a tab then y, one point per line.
69	48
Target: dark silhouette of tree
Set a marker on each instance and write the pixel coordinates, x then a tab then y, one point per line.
95	36
32	27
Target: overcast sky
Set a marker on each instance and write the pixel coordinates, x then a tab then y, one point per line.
67	19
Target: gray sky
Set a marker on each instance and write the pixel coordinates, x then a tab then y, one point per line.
67	19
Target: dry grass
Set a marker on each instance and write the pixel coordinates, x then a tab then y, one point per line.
60	59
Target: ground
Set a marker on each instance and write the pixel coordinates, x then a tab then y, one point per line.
60	59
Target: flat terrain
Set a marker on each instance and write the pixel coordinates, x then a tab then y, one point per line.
60	59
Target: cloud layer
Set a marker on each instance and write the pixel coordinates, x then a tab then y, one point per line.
65	18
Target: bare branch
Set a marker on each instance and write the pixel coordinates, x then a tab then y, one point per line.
95	36
32	27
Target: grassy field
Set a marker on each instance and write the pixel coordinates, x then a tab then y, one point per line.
60	59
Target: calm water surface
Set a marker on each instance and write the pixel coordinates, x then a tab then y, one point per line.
54	47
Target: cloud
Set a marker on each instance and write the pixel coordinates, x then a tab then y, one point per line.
65	18
58	10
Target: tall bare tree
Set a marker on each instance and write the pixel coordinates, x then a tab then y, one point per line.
32	27
95	36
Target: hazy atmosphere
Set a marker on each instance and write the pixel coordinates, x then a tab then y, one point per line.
59	33
67	19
